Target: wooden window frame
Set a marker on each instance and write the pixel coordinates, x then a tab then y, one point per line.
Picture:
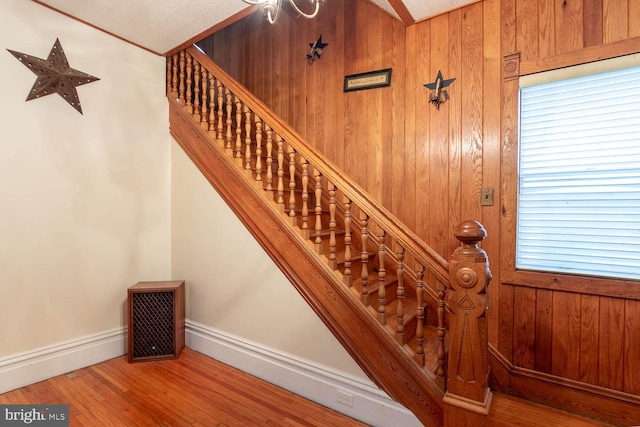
513	69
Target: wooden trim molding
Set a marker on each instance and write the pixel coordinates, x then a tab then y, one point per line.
511	66
582	56
96	27
402	11
627	289
562	393
217	27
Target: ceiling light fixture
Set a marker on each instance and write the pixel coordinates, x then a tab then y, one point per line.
271	8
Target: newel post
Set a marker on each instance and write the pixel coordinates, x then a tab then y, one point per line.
468	397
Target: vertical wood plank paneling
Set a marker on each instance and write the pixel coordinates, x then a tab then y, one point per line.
392	138
250	64
424	51
313	85
616	20
634	18
335	104
409	205
547	29
322	94
491	154
271	60
351	64
631	363
524	333
297	39
589	326
565	342
445	37
611	349
395	149
506	321
319	94
527	28
471	110
374	134
454	108
569	25
593	21
509	131
276	65
544	329
361	150
387	116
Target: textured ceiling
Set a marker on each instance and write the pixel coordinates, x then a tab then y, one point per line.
161	25
422	9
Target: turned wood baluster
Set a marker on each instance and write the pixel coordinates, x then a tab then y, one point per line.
280	199
247	140
196	90
228	148
318	194
332	227
204	116
182	77
382	275
305	198
174	77
440	370
364	258
188	96
419	355
220	134
237	151
258	121
400	298
347	241
169	75
269	160
212	105
292	186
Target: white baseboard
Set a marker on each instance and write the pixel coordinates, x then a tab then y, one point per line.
36	365
316	383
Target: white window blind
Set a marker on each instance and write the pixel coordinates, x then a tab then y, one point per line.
579	176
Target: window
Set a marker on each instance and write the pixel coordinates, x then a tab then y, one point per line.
579	172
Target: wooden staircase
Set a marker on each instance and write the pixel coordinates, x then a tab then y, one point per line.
378	287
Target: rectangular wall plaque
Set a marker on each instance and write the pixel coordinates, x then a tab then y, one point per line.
369	80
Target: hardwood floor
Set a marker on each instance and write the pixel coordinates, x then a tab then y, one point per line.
193	390
196	390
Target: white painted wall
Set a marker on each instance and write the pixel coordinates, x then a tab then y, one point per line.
91	204
84	199
232	284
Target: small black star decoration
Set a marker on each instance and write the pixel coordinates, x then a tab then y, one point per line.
316	50
55	76
438	89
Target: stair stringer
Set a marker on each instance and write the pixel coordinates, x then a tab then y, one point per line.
374	349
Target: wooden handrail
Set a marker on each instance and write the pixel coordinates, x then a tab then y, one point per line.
272	157
424	254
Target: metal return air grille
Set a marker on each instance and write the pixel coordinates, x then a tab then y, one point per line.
153	324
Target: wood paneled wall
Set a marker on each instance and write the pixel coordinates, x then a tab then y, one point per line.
428	166
586	330
424	165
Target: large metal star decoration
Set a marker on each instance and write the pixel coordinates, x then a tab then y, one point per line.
55	76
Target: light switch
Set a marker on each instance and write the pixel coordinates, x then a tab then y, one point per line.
486	197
